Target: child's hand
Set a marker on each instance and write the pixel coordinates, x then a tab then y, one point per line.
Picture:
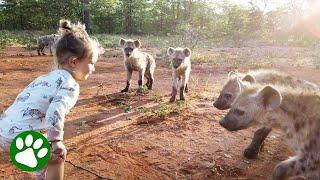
58	152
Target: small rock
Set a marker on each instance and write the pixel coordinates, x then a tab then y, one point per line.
245	161
227	156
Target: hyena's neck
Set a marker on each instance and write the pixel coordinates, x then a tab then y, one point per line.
187	61
136	54
293	112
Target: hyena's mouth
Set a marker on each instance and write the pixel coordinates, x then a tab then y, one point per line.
128	54
221	105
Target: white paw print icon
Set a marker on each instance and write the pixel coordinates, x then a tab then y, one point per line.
28	157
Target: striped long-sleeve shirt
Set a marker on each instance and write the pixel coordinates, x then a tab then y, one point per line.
43	104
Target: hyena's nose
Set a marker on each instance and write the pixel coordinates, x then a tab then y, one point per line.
223	123
218	104
215	103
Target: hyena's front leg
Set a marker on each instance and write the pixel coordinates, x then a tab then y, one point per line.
40	49
140	81
182	87
129	75
301	165
186	89
150	80
257	141
174	87
50	47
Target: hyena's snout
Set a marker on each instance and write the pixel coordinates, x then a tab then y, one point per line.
224	101
128	51
177	62
221	104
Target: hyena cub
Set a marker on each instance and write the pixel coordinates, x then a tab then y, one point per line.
235	85
46	41
181	68
295	111
136	60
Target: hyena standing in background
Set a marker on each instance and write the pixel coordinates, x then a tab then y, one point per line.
181	68
135	60
235	85
295	111
46	41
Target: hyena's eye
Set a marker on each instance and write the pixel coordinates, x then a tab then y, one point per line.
177	59
129	49
228	96
239	112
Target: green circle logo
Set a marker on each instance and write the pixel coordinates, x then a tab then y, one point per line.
30	151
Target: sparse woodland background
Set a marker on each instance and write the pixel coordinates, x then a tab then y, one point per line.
195	23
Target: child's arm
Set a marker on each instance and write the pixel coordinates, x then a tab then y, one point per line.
60	106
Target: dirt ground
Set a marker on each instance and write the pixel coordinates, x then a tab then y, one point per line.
116	135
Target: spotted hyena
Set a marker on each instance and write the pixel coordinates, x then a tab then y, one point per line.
136	60
46	41
238	82
295	111
181	69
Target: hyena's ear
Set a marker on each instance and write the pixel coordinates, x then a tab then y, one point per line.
187	52
122	42
249	79
232	75
170	51
270	98
137	43
240	84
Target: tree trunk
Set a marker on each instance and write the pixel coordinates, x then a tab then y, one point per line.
178	9
130	18
86	13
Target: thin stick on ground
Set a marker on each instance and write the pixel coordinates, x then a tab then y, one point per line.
88	170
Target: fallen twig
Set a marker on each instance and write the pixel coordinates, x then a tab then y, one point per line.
88	170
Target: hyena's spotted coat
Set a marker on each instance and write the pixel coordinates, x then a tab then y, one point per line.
46	41
235	85
181	69
136	60
295	111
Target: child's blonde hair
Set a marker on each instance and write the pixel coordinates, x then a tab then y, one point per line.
74	42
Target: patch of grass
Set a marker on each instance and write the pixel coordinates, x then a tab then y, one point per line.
176	109
144	88
127	108
25	38
156	98
143	110
165	110
318	67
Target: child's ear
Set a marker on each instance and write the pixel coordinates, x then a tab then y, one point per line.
72	61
